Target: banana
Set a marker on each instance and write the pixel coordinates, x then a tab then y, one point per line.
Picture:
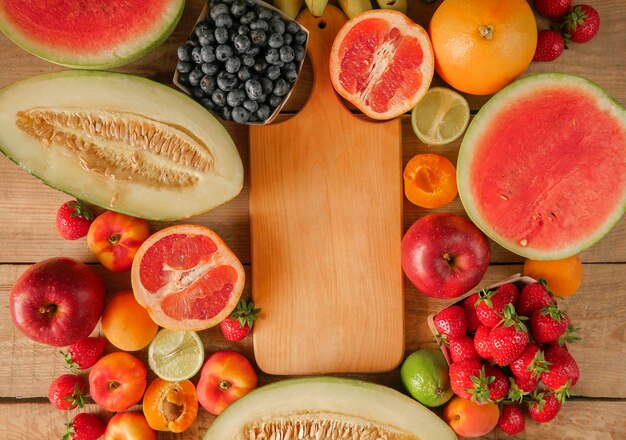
352	8
316	7
398	5
289	7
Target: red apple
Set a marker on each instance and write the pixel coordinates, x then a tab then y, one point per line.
129	426
114	239
470	419
444	255
117	381
225	377
57	301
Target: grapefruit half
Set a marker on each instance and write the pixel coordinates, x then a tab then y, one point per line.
187	278
382	62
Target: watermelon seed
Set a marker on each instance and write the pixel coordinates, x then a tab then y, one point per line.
523	242
503	197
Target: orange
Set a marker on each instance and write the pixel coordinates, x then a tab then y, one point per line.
482	45
563	276
126	324
430	181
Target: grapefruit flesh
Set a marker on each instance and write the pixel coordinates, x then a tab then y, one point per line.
187	278
382	62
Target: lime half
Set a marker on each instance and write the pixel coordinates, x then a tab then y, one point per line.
440	117
176	356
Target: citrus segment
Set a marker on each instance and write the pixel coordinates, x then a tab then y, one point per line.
382	62
176	356
440	117
187	278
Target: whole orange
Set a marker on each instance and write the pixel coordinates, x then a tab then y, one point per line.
482	45
563	276
126	324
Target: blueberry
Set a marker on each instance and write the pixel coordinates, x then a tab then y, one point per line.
299	53
219	97
202	29
184	66
223	52
253	51
240	115
207	54
272	56
235	97
218	9
253	118
206	40
226	113
267	85
250	105
195	76
262	99
221	35
293	28
244	74
243	29
290	75
195	55
250	2
273	72
253	89
287	54
263	112
210	68
300	37
207	103
184	52
260	66
208	84
260	24
275	41
247	60
238	8
226	81
183	78
197	93
281	87
247	18
277	27
276	16
288	38
241	43
258	37
274	100
233	64
224	20
264	13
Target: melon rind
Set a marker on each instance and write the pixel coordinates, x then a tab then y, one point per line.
119	92
113	57
485	118
345	397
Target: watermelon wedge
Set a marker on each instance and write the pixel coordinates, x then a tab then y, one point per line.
542	167
94	34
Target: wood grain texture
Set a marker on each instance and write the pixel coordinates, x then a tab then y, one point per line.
325	213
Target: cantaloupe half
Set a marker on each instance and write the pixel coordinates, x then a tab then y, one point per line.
327	408
121	142
542	166
94	34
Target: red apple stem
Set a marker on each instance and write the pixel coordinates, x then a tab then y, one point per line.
223	385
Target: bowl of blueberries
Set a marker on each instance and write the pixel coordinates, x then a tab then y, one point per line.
242	60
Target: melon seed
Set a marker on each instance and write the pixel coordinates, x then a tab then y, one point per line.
121	145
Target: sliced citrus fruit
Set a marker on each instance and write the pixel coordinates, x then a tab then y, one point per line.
430	181
175	356
382	62
187	278
440	117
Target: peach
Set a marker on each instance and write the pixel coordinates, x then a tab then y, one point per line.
129	426
471	419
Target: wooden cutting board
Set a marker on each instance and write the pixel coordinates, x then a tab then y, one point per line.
326	227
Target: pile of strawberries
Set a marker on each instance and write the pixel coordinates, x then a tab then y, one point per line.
509	347
578	24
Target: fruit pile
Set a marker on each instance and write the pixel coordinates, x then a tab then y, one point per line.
508	346
242	60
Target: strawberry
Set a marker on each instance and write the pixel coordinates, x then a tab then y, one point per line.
534	297
520	387
490	385
530	364
73	219
67	392
499	387
581	24
543	407
462	375
84	427
563	372
469	305
491	303
85	353
462	349
481	342
511	419
569	336
550	46
508	341
239	324
553	9
548	324
450	323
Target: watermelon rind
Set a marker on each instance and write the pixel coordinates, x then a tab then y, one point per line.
481	123
120	55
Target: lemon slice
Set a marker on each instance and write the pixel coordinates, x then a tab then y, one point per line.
176	356
440	117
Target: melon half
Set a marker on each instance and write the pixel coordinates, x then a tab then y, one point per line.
94	34
542	167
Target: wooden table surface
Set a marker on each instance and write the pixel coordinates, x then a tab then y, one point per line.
28	234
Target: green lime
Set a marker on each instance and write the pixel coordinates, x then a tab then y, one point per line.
176	356
440	117
425	376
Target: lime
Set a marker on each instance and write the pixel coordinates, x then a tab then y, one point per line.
440	117
176	356
425	376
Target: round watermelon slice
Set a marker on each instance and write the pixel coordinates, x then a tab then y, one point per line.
542	167
94	34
